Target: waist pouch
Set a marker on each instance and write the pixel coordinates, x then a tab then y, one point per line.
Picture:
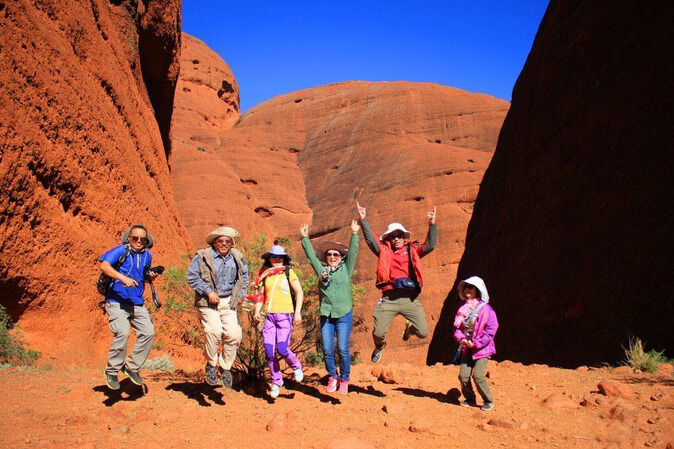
406	284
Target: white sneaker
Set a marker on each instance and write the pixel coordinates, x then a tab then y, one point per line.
299	375
275	391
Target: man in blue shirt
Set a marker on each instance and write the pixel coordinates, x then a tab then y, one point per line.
124	304
218	275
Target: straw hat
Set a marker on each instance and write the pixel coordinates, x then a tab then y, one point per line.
225	231
324	246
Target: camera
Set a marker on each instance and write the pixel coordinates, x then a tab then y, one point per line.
157	270
146	273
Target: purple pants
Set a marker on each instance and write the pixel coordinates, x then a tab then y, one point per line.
276	337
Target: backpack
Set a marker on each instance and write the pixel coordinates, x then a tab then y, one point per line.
104	281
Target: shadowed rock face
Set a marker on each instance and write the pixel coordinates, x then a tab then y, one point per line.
399	148
82	156
571	223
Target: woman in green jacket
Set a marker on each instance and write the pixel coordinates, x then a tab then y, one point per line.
334	267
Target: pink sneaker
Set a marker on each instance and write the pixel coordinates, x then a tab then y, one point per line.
343	386
332	385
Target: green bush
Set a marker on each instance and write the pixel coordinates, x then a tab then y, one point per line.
638	359
12	350
162	363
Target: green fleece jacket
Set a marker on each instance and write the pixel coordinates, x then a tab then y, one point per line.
336	298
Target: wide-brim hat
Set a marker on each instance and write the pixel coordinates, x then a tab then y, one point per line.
278	251
395	227
324	246
476	282
222	231
148	245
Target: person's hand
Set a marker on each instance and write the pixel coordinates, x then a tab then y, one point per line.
432	215
213	299
463	342
298	319
128	282
257	317
361	211
470	344
355	227
152	275
304	230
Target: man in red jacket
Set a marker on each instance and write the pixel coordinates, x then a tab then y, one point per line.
399	277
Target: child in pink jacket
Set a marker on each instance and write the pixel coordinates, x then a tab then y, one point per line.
475	327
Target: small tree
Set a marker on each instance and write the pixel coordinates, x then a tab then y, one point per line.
12	349
177	318
306	340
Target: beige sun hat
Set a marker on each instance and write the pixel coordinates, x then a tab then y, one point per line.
225	231
395	227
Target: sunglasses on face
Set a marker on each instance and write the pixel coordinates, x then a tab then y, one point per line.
333	254
142	240
224	242
396	236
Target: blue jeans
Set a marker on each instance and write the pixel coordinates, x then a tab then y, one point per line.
343	327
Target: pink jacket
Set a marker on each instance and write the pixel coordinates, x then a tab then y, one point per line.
486	325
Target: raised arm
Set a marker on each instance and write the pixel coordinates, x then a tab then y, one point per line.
353	247
432	236
370	238
309	249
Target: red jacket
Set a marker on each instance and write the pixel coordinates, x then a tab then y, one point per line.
384	263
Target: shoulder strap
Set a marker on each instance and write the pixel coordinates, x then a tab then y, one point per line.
122	258
292	290
474	312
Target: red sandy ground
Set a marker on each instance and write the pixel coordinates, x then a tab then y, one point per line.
71	407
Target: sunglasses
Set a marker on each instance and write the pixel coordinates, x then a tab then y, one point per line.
396	236
134	238
224	242
333	254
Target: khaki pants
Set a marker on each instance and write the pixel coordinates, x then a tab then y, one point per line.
121	317
389	307
220	324
478	369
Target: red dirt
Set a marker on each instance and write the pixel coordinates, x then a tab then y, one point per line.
71	408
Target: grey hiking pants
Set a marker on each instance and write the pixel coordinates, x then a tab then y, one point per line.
122	316
478	369
392	305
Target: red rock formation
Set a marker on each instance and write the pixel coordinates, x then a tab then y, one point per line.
571	224
399	148
82	155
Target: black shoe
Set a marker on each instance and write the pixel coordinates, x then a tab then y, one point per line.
133	375
376	354
409	328
226	376
212	378
111	381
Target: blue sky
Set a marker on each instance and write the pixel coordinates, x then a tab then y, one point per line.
278	47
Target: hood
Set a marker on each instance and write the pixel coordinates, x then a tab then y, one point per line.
477	283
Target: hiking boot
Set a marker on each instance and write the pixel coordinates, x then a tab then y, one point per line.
468	404
226	376
409	329
212	376
376	354
133	375
487	406
332	385
275	391
111	381
343	386
299	375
